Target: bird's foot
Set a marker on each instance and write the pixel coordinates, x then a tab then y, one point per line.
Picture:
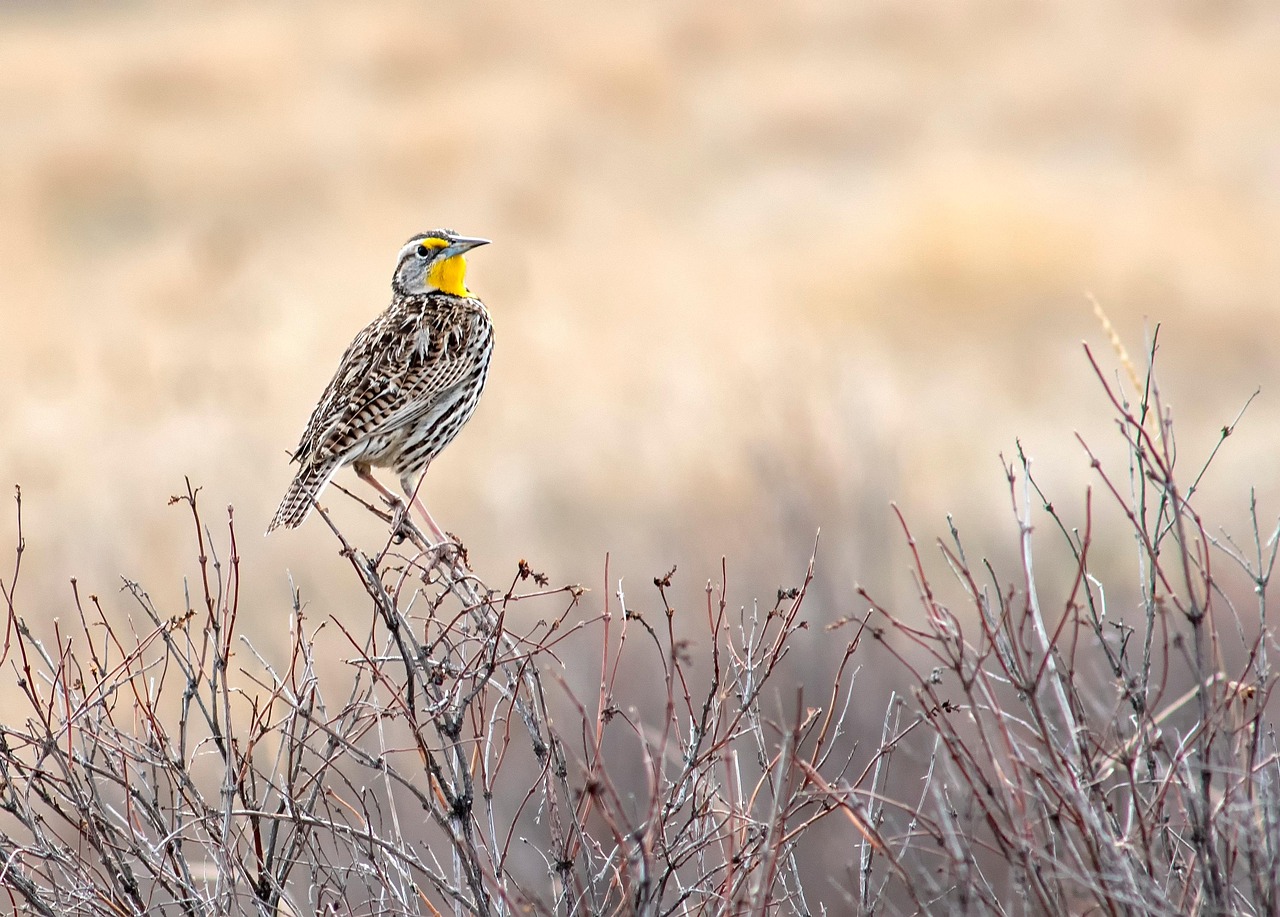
446	551
399	517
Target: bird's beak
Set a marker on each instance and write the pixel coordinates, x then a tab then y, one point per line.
464	244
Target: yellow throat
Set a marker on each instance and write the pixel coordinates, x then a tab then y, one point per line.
449	276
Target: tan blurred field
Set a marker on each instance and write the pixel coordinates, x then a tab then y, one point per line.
757	268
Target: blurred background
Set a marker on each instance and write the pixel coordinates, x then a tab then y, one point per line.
758	269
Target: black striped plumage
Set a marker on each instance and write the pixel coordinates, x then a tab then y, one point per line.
407	383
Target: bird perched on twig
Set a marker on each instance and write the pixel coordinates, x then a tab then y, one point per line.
405	386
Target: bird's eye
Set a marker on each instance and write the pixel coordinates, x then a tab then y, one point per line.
423	251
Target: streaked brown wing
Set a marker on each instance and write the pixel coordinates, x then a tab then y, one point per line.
392	373
416	391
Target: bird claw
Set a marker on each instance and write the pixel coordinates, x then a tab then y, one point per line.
447	551
399	516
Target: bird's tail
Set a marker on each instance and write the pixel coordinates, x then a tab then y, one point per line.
296	505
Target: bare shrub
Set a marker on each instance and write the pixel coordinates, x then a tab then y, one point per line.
1050	756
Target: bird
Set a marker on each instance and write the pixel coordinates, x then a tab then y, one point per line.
405	386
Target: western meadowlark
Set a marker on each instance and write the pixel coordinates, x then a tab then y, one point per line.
405	386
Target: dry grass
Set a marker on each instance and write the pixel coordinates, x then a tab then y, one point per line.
758	270
734	247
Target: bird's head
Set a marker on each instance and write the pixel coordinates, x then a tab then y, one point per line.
433	261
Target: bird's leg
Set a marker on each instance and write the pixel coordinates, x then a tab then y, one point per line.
411	491
398	507
363	472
